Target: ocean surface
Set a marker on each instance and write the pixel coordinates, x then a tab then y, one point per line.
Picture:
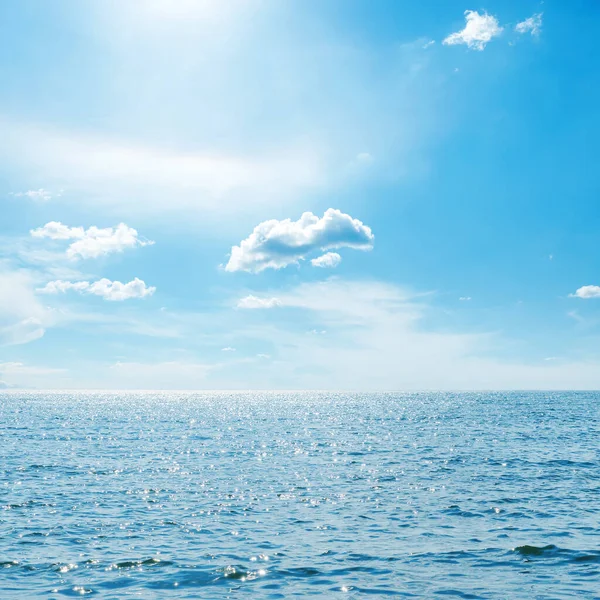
287	495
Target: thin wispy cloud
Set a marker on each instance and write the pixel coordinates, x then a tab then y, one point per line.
532	25
105	288
23	318
136	175
39	195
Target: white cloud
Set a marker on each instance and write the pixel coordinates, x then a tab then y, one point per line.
22	332
57	231
18	368
532	25
18	375
277	244
109	290
428	44
94	241
379	337
40	195
478	31
22	318
134	176
254	302
465	298
228	349
329	260
587	291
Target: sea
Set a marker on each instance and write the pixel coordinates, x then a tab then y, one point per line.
289	495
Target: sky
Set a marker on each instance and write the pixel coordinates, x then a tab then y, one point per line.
299	194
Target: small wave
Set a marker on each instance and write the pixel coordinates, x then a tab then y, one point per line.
572	556
528	550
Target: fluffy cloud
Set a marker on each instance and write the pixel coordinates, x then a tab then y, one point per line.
92	242
478	31
532	25
254	302
329	260
277	244
587	291
109	290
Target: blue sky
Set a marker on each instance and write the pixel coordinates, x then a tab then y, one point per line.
332	194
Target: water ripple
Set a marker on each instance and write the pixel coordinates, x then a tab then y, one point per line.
270	495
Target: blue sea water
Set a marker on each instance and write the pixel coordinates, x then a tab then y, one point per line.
286	495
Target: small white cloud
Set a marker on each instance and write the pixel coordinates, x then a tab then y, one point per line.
478	31
40	195
263	356
94	241
428	44
109	290
465	298
327	261
254	302
276	244
586	292
228	349
551	358
532	25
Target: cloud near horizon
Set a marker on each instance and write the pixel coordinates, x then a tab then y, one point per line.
277	244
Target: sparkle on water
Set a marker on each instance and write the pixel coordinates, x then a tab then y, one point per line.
269	495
